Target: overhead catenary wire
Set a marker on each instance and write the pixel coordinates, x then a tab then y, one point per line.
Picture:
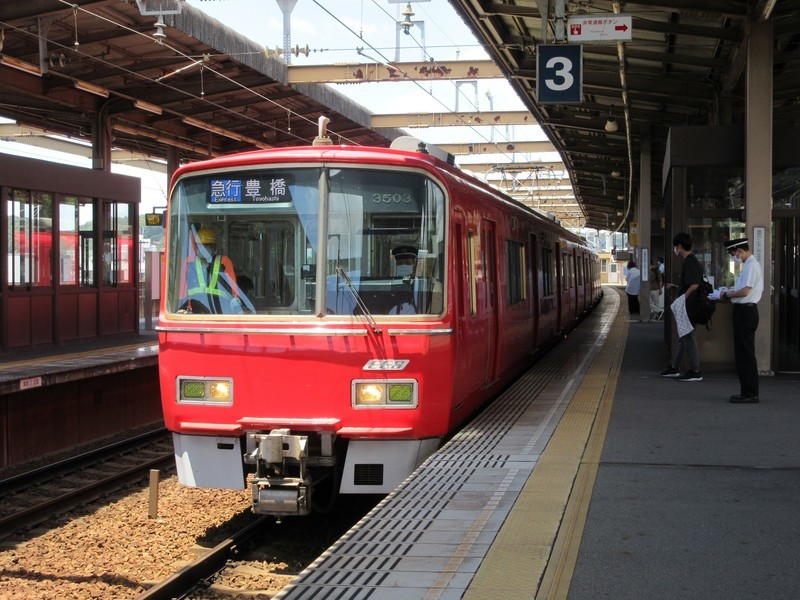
192	59
387	62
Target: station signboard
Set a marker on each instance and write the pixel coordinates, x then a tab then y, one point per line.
599	28
559	73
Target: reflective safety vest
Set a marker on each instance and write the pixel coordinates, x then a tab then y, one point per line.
210	286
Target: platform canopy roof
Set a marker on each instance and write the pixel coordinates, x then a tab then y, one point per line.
683	65
192	84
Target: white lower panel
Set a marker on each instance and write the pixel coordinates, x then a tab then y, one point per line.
399	458
209	461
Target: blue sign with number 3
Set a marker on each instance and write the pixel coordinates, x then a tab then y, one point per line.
559	73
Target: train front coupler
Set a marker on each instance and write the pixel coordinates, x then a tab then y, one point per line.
281	485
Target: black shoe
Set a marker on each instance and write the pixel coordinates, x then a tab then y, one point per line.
691	376
671	372
739	399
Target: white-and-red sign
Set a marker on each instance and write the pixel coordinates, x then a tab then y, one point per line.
597	28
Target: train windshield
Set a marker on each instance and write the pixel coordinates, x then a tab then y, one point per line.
307	241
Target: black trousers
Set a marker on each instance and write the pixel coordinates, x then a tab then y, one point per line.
745	323
633	304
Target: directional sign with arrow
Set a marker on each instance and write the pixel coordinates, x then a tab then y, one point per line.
599	28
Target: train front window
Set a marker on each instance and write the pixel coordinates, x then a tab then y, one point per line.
386	231
249	243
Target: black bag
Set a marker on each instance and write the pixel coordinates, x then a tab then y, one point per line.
700	307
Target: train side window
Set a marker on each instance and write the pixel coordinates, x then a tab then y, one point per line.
547	271
515	270
473	275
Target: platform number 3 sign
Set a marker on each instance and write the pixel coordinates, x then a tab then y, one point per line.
559	73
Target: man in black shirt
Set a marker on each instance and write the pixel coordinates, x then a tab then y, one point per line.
691	278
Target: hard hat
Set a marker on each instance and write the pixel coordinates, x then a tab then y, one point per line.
207	236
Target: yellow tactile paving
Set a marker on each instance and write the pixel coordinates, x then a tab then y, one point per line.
535	550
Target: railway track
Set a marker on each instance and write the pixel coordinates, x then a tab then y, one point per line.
37	495
236	567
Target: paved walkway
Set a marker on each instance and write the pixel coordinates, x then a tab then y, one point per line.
695	498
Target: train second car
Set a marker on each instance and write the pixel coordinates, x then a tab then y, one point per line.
330	314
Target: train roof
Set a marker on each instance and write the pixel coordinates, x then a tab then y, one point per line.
312	154
406	154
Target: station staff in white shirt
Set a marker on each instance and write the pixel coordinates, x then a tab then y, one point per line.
745	297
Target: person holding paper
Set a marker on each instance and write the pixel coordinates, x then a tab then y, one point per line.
691	278
744	297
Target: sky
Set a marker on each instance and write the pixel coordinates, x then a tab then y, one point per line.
341	31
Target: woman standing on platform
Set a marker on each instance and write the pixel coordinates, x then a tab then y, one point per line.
634	277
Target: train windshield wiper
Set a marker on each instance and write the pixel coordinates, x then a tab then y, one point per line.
368	315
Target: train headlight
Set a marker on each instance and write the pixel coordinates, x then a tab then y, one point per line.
401	393
205	390
369	394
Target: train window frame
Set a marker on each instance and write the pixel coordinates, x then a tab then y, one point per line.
352	197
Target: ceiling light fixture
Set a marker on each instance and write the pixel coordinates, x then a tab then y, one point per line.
615	173
97	90
147	107
20	65
611	125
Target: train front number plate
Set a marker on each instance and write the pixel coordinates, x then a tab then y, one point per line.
385	365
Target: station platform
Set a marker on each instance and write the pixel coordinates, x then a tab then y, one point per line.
20	371
57	400
592	477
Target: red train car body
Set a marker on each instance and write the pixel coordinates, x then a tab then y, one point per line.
322	366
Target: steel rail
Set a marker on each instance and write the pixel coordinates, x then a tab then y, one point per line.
181	583
67	465
84	494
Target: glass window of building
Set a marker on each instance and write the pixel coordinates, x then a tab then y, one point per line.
30	238
715	197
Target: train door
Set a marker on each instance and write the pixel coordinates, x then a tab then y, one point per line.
787	287
490	280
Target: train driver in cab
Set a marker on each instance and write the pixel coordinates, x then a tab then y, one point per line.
210	277
405	266
405	261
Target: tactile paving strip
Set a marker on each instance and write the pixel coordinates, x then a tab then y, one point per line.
428	537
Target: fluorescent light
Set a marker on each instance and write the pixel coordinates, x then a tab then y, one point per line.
214	129
147	107
224	132
85	86
20	65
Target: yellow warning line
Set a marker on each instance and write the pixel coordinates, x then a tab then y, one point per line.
535	551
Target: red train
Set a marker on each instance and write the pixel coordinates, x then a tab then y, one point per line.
378	298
